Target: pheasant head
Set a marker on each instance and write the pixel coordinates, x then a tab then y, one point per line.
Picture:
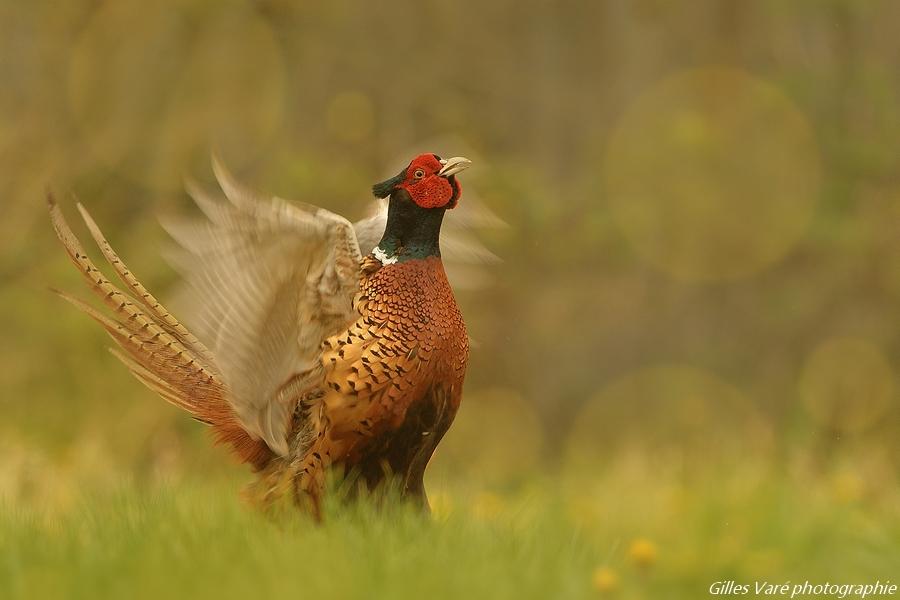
419	196
428	180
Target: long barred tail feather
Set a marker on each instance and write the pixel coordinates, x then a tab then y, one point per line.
158	350
142	295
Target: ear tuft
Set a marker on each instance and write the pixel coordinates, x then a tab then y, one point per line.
384	189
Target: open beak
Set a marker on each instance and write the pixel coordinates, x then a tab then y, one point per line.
452	166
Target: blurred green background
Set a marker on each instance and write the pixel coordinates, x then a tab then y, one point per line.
700	294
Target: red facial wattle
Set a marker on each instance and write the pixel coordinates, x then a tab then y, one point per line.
431	191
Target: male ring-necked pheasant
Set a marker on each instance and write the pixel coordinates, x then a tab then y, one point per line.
316	355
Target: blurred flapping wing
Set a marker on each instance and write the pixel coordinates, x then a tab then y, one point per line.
266	282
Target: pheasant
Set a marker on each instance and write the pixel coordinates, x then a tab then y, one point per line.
315	357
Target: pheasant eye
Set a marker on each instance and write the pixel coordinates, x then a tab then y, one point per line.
419	174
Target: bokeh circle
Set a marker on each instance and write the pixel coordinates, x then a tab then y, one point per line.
712	174
666	413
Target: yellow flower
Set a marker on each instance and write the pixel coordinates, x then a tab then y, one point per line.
642	552
605	580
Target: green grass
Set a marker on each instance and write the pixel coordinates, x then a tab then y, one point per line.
203	543
536	541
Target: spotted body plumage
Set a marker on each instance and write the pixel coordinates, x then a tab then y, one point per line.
405	354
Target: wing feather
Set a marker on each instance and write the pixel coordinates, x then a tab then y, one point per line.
267	281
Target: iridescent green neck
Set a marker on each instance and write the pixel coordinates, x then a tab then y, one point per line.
412	232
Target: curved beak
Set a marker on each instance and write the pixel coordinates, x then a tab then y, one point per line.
452	166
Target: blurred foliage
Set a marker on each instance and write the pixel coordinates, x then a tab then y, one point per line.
701	268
